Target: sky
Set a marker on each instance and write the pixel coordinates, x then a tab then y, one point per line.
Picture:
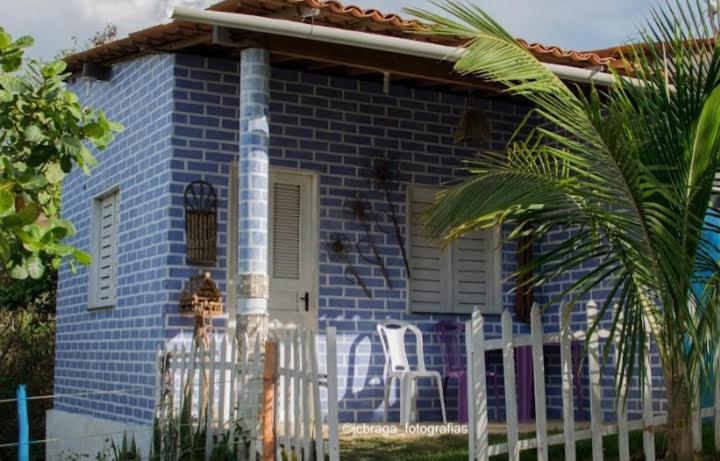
575	24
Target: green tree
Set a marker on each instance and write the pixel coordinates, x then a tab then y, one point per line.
44	133
630	169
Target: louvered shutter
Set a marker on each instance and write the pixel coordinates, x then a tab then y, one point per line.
455	279
105	252
286	231
429	263
473	272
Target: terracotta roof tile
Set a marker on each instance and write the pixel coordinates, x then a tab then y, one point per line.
332	13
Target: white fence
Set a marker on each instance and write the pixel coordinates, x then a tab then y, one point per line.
477	346
224	380
298	416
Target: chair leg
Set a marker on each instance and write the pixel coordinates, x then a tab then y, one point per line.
442	399
386	400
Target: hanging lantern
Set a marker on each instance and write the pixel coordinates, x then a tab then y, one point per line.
201	223
472	129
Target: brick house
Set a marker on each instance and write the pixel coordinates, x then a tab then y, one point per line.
308	122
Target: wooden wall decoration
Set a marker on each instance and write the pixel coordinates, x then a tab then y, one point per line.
201	297
201	223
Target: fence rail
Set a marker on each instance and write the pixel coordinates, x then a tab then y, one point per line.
476	347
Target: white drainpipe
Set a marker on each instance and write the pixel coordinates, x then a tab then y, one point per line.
360	39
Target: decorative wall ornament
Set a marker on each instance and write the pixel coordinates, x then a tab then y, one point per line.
201	223
338	251
362	211
201	297
384	176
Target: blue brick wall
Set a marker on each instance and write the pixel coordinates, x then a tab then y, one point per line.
107	356
183	125
339	128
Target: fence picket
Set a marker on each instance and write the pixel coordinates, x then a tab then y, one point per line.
594	381
232	414
277	405
209	421
297	402
223	368
539	382
477	389
332	389
317	414
567	384
620	401
289	392
306	393
201	371
510	397
648	413
179	357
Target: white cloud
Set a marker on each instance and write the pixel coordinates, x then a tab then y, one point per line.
580	24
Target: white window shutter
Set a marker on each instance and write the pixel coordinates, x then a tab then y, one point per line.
429	263
474	272
104	265
286	231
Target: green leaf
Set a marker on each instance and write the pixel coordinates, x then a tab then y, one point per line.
7	200
82	257
35	267
29	214
5	96
5	39
11	63
87	160
19	272
24	42
34	134
54	173
94	130
54	68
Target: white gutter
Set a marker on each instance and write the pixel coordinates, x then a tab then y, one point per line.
360	39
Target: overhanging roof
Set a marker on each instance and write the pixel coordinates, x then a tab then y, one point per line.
183	35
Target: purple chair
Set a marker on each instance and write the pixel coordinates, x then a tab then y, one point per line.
450	333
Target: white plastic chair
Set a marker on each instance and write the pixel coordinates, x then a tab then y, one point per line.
392	335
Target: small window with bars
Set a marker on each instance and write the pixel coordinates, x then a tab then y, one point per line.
103	270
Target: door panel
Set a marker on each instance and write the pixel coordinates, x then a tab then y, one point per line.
293	248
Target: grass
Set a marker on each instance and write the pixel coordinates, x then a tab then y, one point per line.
455	448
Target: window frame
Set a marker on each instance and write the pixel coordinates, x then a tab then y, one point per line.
494	282
95	238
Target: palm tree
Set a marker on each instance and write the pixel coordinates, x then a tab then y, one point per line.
630	169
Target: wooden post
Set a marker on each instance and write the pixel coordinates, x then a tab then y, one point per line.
268	417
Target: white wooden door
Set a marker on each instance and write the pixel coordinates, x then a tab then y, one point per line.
293	248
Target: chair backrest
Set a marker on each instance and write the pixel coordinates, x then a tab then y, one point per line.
392	336
450	335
